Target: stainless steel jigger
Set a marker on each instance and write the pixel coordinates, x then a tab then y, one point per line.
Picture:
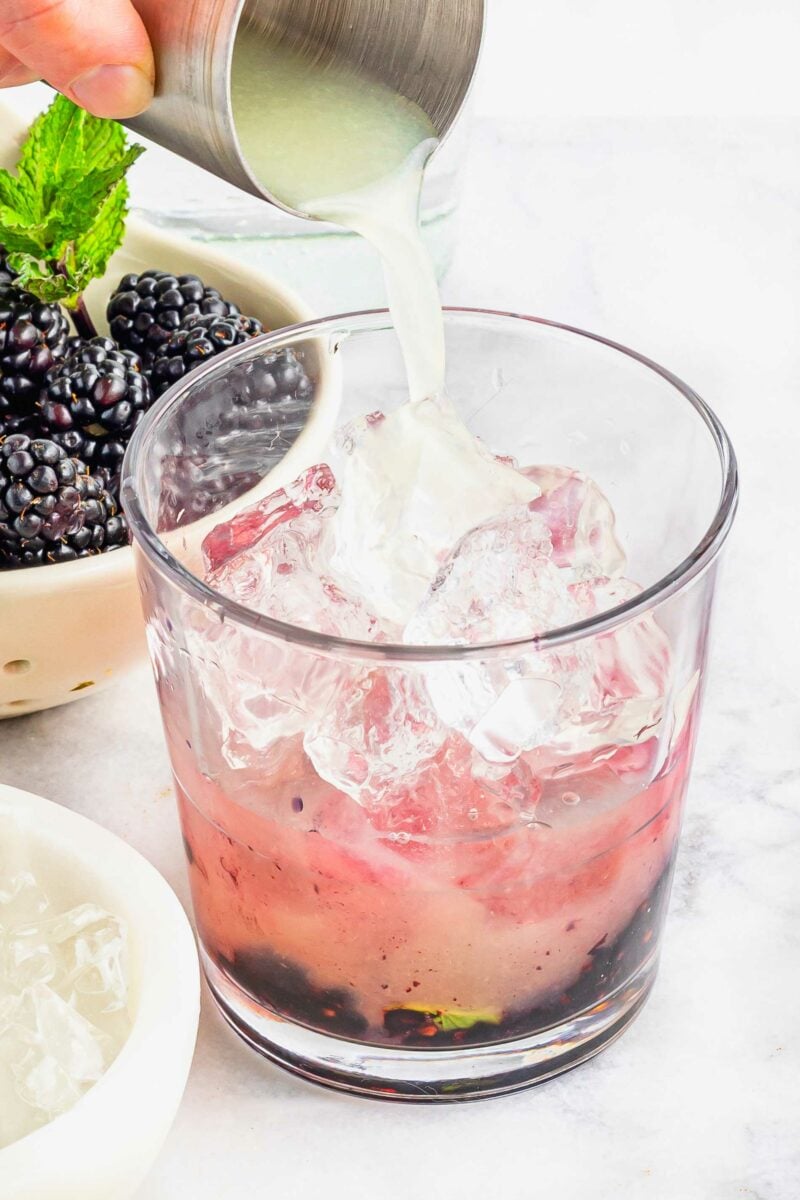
426	50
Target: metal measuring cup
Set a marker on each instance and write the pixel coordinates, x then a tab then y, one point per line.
426	50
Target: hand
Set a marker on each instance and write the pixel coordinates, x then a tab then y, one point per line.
95	51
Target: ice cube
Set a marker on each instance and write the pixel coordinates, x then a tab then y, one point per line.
269	559
378	735
498	584
498	708
415	483
580	520
81	949
255	692
631	668
54	1050
501	583
95	964
314	492
25	960
456	795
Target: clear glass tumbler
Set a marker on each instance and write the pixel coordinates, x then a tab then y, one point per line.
435	872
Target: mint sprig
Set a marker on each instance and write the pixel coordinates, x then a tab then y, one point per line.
450	1020
62	215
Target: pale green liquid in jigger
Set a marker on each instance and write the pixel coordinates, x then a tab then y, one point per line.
339	146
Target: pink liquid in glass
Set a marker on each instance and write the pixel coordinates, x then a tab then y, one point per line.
395	936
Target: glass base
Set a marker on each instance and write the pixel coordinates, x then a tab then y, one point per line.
471	1073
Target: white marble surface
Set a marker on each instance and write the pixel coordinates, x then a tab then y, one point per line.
681	238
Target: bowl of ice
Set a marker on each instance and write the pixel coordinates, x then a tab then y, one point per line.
99	1003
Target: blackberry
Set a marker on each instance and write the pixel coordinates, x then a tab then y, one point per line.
275	395
93	401
234	431
52	509
33	339
198	340
147	309
285	988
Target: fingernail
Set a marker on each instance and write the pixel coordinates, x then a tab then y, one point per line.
120	91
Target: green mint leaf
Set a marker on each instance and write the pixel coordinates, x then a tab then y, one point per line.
53	148
65	286
85	198
34	276
10	193
17	235
64	211
15	205
448	1020
41	147
103	239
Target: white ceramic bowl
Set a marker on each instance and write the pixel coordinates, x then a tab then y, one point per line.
70	628
104	1146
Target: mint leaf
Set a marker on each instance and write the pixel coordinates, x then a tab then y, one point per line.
16	233
64	147
37	278
62	215
84	200
448	1020
105	236
53	138
11	195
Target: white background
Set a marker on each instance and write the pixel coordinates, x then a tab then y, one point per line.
640	57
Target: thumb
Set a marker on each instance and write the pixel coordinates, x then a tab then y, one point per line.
95	51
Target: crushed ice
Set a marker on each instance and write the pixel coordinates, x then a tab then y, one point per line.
428	539
63	994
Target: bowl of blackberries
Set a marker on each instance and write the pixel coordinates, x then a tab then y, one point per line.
97	321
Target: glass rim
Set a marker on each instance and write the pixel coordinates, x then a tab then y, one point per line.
699	558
